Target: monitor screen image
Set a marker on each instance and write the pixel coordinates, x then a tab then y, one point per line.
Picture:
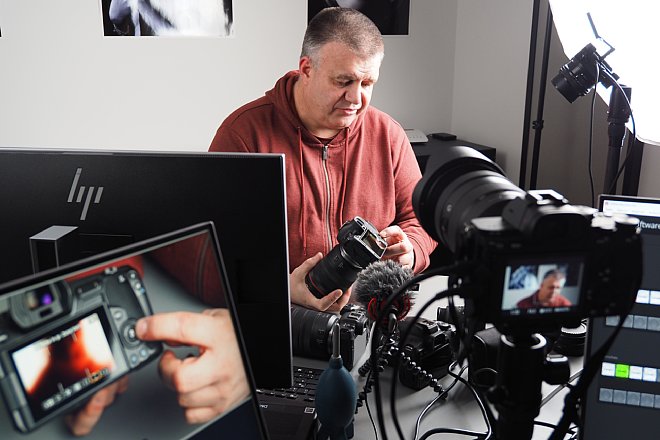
69	332
61	205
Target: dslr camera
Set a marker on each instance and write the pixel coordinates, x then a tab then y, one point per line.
312	333
510	240
431	345
62	341
359	245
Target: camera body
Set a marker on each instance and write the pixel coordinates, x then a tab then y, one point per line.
527	261
431	345
312	333
63	341
597	258
359	244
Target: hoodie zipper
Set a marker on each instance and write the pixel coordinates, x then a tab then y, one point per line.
324	161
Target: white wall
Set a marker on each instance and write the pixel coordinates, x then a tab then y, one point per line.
462	69
65	85
492	49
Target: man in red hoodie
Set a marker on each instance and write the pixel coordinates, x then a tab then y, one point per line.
343	158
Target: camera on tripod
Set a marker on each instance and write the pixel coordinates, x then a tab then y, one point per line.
312	332
510	240
65	340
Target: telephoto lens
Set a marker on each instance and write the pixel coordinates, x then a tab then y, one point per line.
360	244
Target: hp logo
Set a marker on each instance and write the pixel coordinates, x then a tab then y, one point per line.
86	193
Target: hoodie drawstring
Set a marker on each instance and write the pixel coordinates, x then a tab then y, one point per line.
303	209
343	185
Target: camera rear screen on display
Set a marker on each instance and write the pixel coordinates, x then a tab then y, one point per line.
70	332
62	364
540	287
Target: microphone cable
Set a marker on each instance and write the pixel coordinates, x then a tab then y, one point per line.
442	395
455	268
478	435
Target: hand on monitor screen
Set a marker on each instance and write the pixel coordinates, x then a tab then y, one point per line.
211	383
207	385
300	294
83	421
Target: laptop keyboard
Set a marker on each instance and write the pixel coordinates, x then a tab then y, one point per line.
303	391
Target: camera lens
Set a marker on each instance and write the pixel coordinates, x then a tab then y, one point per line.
311	331
336	271
578	76
460	184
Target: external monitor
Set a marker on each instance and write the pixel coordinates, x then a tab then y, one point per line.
58	206
623	399
68	332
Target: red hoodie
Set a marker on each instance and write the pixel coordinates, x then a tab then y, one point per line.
371	171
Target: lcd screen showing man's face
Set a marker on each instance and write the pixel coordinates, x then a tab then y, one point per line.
550	287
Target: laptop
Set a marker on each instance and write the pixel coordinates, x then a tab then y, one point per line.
67	332
623	399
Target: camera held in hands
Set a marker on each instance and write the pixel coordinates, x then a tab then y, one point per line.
509	240
62	341
359	245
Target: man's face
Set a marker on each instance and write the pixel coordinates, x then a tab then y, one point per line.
549	287
335	88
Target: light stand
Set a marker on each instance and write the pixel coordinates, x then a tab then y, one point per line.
617	117
576	78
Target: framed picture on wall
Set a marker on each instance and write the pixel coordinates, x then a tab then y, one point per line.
154	18
391	16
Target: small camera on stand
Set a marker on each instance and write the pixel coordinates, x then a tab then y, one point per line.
62	341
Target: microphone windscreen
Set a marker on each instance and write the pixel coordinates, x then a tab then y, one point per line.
377	282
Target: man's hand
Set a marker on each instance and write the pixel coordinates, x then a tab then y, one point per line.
83	421
399	247
209	384
300	294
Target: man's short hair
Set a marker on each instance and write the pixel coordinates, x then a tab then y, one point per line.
557	273
342	25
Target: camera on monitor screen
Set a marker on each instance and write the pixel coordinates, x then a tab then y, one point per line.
511	240
359	245
312	333
62	341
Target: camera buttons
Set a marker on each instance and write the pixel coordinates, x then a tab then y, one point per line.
134	360
128	332
118	314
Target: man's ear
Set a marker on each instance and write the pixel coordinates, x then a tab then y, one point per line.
305	66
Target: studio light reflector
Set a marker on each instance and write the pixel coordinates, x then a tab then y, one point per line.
633	29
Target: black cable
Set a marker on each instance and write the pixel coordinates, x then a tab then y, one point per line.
441	395
591	139
385	310
366	404
571	430
402	343
479	435
554	392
